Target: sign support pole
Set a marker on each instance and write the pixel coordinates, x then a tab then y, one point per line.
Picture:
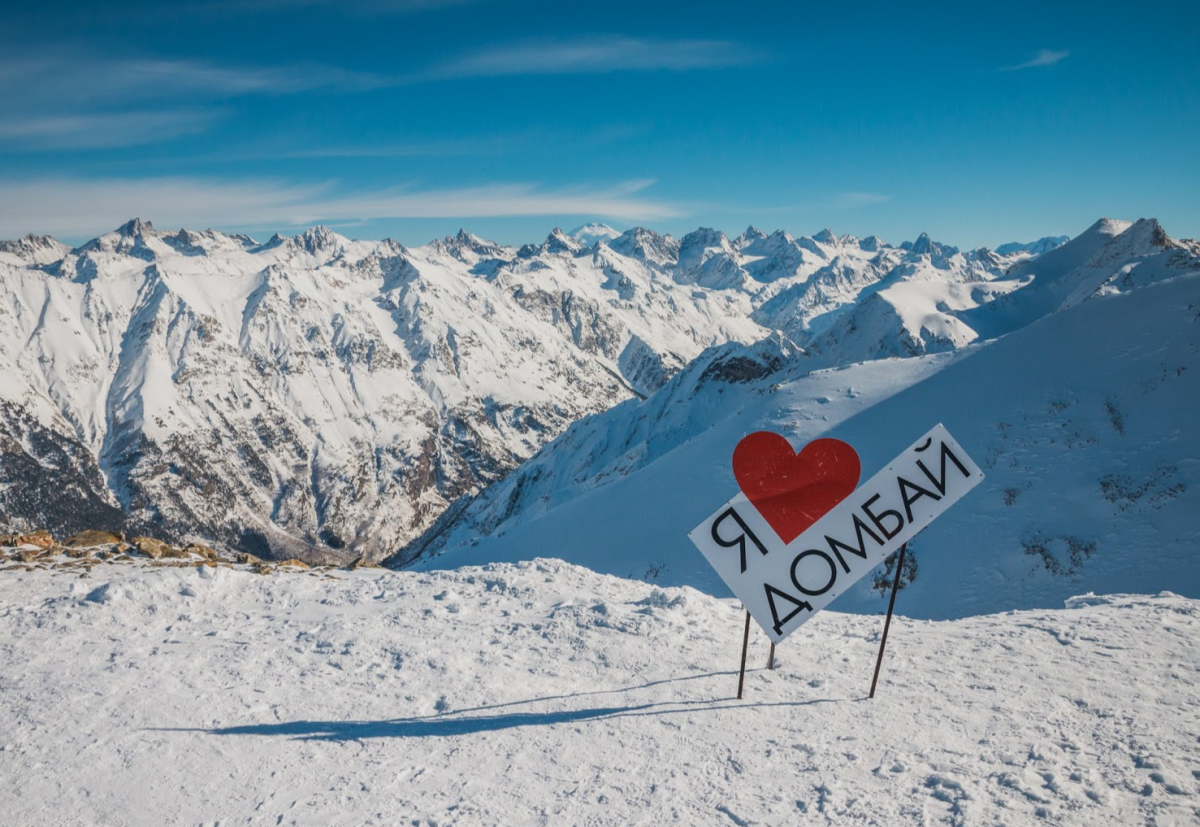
771	658
887	622
745	645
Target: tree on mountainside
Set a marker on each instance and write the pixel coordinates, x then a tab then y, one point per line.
881	578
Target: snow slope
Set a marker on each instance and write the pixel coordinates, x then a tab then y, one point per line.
1083	422
545	694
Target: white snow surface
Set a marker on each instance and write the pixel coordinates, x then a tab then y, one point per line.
545	694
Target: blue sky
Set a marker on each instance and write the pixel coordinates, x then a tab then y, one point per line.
979	123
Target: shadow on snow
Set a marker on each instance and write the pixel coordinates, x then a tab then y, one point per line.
468	721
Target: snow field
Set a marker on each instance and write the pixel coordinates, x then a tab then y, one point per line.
543	693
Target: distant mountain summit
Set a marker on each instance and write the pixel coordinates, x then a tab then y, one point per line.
1033	248
589	234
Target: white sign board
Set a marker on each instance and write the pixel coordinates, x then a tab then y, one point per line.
784	584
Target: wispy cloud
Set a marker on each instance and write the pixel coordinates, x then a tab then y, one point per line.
34	82
101	130
593	56
1044	57
850	200
31	82
82	207
416	149
76	101
364	7
493	143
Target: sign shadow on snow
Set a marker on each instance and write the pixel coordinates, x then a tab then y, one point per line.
468	722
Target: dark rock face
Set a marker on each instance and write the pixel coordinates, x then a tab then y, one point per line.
49	479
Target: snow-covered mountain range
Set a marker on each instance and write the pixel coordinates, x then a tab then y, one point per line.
317	396
1077	402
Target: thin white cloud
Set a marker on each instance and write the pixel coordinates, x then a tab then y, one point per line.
419	149
100	131
850	200
593	56
74	81
30	82
85	207
74	102
40	93
1044	57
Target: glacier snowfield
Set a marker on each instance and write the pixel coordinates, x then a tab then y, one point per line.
541	693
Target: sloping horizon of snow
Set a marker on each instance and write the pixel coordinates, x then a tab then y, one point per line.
1092	461
545	694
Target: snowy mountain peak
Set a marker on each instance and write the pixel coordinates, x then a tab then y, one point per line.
320	239
35	249
707	258
1107	227
135	238
750	235
468	248
647	245
871	244
1073	254
588	234
926	246
698	246
826	236
921	246
1147	234
1079	397
560	242
135	227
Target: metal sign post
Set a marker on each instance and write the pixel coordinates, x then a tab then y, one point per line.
888	621
745	645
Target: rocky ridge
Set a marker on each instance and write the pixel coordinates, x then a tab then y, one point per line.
82	552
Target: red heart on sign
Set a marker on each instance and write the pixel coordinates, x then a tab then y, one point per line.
793	490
